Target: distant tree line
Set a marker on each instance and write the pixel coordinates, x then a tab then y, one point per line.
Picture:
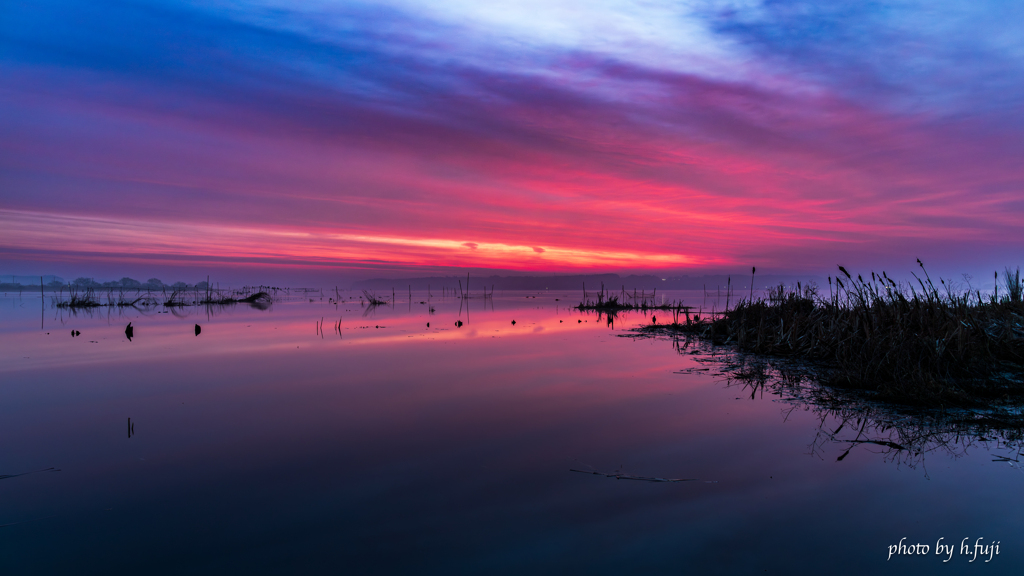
83	282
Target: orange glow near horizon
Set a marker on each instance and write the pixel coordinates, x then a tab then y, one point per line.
101	235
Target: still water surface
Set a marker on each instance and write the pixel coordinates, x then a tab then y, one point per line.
267	446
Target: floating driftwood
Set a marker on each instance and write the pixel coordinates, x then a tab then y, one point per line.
250	299
214	298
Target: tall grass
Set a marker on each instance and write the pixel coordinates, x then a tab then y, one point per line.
913	342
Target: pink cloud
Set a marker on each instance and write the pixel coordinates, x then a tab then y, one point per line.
677	172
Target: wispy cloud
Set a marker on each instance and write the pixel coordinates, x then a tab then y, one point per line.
546	134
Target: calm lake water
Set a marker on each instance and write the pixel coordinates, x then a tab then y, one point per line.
386	446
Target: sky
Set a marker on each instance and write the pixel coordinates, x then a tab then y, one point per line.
400	137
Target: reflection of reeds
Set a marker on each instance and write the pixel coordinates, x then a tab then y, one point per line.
849	420
914	343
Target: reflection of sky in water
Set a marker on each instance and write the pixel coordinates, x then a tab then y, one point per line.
263	447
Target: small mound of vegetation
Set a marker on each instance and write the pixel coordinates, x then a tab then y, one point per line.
80	299
916	343
610	303
373	300
216	298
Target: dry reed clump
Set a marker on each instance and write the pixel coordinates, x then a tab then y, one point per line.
77	299
910	343
373	300
609	302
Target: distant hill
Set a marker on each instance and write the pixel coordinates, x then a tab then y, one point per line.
30	280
